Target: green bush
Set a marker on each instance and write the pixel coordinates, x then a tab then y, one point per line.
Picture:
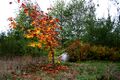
12	46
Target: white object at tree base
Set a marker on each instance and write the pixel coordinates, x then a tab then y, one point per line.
63	57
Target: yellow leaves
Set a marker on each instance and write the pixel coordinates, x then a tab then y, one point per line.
39	45
32	44
33	23
33	32
28	30
37	30
28	36
35	44
58	62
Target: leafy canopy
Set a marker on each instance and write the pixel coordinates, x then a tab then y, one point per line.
43	29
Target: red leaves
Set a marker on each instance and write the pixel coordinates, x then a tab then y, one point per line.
26	11
18	1
57	20
28	71
23	5
46	68
53	70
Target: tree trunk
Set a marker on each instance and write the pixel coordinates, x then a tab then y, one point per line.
53	59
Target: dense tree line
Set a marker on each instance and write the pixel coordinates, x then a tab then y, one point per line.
79	21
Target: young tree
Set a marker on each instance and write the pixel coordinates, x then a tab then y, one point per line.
43	29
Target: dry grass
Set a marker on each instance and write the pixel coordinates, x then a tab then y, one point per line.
8	65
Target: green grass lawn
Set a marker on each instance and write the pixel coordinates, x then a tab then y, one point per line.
84	70
96	70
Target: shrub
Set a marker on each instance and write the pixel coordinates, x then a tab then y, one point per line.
84	51
78	51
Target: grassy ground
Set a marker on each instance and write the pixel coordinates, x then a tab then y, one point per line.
87	70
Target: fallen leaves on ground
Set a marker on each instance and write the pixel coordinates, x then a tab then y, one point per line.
30	69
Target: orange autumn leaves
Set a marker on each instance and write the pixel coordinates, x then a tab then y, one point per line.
12	22
45	28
